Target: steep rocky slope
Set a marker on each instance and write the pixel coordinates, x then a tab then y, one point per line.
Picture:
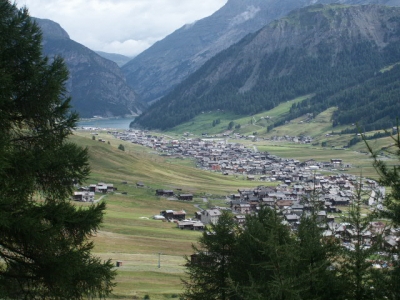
97	85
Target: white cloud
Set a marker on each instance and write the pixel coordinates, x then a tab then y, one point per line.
121	26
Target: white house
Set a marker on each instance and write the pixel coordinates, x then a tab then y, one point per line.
210	216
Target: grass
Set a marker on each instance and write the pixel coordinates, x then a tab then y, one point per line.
137	163
249	124
203	123
130	235
388	68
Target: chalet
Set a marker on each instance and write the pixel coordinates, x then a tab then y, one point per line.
102	188
240	219
235	196
321	216
284	203
391	243
192	225
336	161
339	201
210	216
84	196
166	193
92	188
298	188
241	208
292	218
297	209
173	215
268	201
186	197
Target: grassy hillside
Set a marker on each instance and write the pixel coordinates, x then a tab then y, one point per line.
128	233
138	163
315	126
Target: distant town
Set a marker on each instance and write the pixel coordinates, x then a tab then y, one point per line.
301	187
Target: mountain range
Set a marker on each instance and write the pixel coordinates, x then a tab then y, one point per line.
157	70
334	52
247	57
97	85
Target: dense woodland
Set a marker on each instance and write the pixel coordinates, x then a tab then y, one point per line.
344	73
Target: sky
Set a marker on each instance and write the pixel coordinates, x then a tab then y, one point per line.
125	27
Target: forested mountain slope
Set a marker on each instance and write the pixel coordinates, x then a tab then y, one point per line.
168	62
96	84
329	50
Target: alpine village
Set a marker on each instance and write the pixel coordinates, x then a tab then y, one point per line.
259	158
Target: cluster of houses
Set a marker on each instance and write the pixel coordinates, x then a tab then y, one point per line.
202	218
294	139
87	193
171	193
231	158
322	196
301	189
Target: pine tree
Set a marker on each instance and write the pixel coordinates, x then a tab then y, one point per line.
390	177
360	281
209	267
265	259
45	251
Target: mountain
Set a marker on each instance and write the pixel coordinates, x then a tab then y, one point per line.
97	85
326	50
155	72
119	59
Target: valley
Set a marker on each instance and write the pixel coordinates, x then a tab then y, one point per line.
130	235
275	121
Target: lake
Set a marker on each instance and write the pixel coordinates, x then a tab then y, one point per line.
117	123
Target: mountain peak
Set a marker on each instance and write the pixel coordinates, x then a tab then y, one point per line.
51	29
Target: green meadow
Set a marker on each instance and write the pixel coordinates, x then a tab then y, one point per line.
151	251
129	234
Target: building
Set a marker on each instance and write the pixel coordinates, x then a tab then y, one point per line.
210	216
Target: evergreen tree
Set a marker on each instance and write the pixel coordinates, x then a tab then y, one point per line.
360	280
265	259
390	177
209	268
45	251
317	278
